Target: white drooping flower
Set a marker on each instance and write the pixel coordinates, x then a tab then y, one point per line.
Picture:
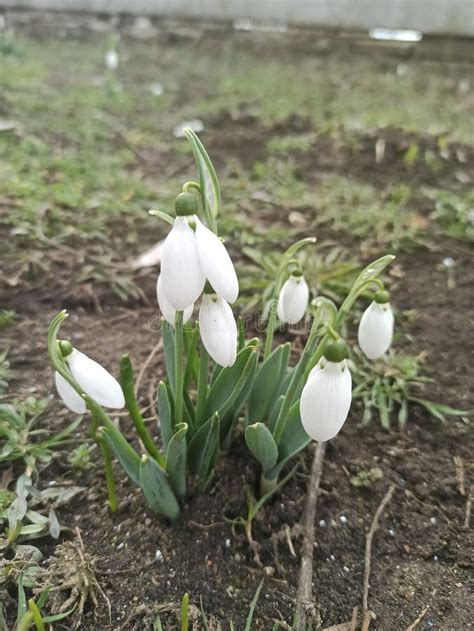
191	256
376	329
70	397
216	263
293	299
181	272
327	395
94	380
218	329
167	311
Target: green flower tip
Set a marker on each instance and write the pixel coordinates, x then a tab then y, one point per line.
336	350
382	297
185	205
65	348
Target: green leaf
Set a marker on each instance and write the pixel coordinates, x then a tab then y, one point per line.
168	347
267	383
165	414
32	529
248	623
157	489
201	444
117	443
230	382
439	410
373	270
232	416
210	451
176	460
21	605
294	440
210	191
262	446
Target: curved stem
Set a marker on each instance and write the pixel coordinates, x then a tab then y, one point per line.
179	376
109	474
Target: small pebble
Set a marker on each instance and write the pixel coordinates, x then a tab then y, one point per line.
322	523
147	521
343	519
448	262
158	555
346	569
120	546
433	521
435	558
392	532
227	543
332	557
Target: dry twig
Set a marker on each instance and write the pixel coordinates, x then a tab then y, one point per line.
368	551
467	519
304	596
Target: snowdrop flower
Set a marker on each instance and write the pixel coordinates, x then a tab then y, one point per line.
167	311
218	329
293	299
327	394
93	378
112	59
376	327
181	273
189	257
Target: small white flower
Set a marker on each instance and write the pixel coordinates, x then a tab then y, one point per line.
112	59
96	382
216	263
70	397
326	399
181	273
376	330
218	329
293	300
167	311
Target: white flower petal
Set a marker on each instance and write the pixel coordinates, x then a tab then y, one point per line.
97	382
218	330
326	399
376	330
216	263
293	300
181	273
71	399
167	311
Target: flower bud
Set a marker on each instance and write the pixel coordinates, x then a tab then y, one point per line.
326	400
293	299
376	328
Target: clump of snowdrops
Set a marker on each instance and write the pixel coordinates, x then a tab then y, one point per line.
216	379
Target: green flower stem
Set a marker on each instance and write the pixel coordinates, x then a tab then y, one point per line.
296	378
126	380
109	473
271	327
179	374
202	387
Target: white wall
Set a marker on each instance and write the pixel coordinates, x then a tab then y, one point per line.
430	16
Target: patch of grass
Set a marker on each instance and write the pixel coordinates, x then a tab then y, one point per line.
454	214
7	317
389	386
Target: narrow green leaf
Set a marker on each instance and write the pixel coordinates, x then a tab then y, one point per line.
184	612
36	613
230	382
248	624
176	460
157	489
294	440
117	443
262	446
21	605
209	453
165	414
267	383
210	191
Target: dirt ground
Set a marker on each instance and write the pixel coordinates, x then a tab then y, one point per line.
422	554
